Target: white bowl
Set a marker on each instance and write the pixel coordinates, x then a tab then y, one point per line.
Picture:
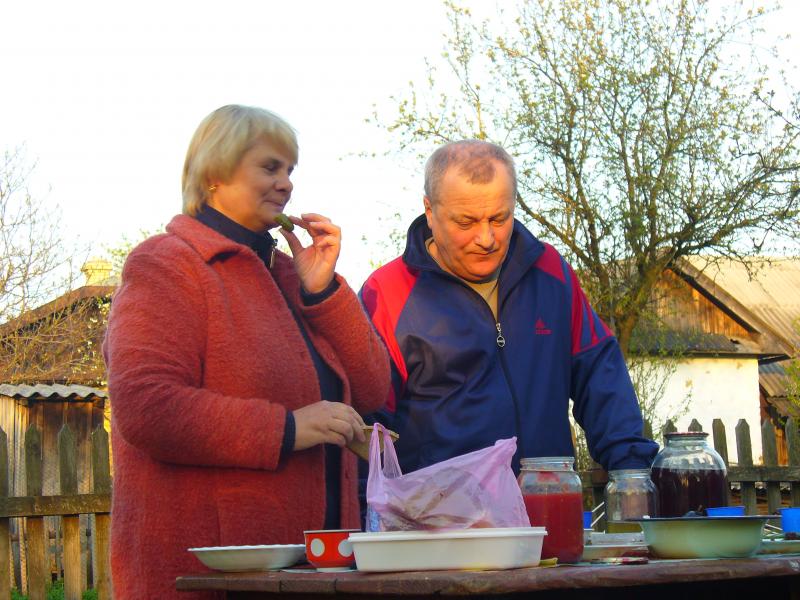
474	549
250	558
703	537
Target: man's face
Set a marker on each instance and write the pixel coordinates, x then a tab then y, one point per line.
472	223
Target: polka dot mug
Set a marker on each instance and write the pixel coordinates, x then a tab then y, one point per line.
330	549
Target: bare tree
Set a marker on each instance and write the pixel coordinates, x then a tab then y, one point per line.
643	132
45	334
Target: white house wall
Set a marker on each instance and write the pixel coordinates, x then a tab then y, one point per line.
717	388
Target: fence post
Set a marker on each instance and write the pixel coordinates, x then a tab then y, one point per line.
745	454
769	448
695	426
34	526
101	475
721	445
793	447
68	479
669	427
5	539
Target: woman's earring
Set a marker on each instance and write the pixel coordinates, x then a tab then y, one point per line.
212	189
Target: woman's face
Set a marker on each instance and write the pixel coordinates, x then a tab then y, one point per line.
258	190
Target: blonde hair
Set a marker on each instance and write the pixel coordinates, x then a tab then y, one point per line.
219	143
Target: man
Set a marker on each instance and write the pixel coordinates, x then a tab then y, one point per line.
490	333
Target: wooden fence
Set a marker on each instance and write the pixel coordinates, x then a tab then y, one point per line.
743	474
32	508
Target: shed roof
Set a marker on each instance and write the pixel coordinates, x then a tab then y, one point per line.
52	392
769	288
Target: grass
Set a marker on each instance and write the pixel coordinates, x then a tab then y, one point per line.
55	591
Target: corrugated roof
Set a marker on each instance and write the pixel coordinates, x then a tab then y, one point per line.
770	289
644	341
784	407
53	392
772	377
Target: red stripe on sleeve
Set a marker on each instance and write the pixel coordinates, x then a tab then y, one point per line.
578	308
550	263
384	295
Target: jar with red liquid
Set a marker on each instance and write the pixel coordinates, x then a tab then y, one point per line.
689	475
551	490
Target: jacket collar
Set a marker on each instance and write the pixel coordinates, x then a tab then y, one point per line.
207	242
523	251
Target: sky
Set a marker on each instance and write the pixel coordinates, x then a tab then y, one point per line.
104	97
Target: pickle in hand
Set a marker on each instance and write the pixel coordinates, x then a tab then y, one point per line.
282	220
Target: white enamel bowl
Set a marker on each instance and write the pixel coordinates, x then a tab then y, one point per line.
703	537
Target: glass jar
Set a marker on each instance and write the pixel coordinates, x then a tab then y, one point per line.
689	475
552	493
629	494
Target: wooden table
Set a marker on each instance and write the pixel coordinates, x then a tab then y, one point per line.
761	578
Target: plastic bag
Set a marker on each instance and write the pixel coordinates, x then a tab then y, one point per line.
477	489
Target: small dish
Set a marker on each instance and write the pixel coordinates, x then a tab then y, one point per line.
613	551
725	511
250	558
779	547
330	550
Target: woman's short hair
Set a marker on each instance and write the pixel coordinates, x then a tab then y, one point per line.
474	159
219	143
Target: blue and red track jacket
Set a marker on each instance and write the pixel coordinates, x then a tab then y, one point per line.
456	390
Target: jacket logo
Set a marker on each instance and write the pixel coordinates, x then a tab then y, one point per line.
541	328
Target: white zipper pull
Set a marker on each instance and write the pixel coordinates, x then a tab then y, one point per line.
501	341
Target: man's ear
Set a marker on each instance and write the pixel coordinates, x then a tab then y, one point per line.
428	211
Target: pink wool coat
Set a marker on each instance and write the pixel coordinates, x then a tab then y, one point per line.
204	361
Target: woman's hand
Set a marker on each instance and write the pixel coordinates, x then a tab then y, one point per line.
326	422
315	264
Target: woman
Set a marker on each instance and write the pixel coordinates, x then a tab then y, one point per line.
236	372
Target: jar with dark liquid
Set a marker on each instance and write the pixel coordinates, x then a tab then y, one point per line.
551	490
689	475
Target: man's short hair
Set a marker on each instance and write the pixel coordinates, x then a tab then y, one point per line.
475	160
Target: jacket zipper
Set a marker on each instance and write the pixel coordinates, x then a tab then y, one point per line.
501	341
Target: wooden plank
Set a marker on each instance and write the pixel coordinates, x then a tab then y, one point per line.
80	422
721	445
745	454
760	473
37	573
101	476
769	449
695	426
669	427
52	417
720	439
517	583
68	478
5	525
793	450
43	506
